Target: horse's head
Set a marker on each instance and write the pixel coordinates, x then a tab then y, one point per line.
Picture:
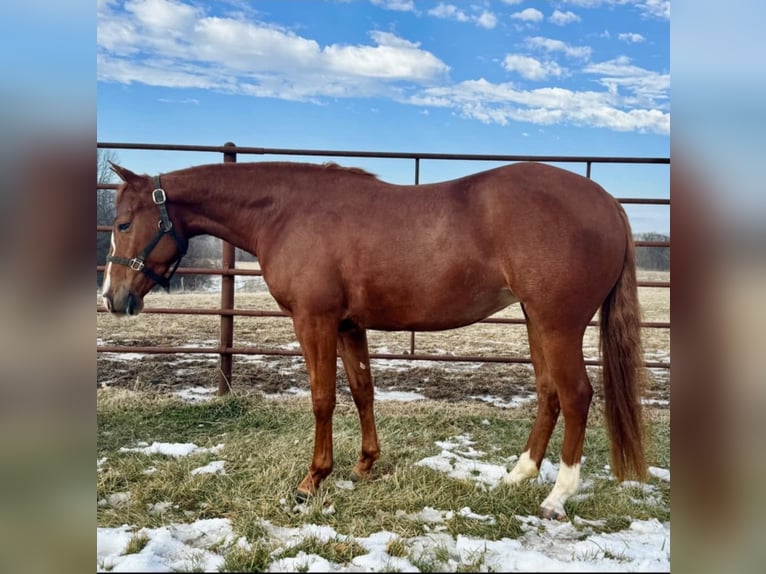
145	243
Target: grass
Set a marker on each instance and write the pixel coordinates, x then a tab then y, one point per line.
267	451
136	543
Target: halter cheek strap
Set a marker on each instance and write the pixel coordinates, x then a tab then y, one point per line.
138	263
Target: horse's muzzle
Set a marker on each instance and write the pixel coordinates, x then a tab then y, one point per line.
127	304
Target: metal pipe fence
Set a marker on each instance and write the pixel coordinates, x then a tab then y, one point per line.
228	269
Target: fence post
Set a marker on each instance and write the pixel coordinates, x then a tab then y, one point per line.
227	301
417	182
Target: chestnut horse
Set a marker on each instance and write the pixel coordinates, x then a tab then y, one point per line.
343	252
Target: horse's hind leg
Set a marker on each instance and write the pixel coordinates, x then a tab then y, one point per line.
352	347
562	385
548	409
563	353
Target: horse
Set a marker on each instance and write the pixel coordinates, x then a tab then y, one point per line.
342	251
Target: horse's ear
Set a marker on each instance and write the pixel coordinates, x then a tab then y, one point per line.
125	174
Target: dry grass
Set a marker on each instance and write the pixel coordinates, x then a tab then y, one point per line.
267	450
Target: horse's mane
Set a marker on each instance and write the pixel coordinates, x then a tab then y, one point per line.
327	166
331	165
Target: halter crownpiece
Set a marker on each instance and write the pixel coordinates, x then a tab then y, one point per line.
137	263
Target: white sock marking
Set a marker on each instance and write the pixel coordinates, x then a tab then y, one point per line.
525	468
567	483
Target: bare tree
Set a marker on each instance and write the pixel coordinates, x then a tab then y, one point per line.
104	204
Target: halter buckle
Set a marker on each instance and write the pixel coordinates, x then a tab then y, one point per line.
158	196
136	264
165	227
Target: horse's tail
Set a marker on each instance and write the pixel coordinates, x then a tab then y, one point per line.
623	368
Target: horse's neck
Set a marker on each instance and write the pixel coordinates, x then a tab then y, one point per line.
231	208
238	206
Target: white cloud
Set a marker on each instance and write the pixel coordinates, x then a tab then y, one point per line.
531	68
393	57
631	37
234	54
501	103
193	101
653	8
167	15
552	45
563	18
642	87
658	8
449	11
485	19
528	15
399	5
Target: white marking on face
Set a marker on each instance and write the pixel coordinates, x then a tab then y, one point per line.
108	270
567	483
525	468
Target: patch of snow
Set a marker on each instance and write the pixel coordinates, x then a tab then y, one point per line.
176	547
196	394
171	448
301	562
215	467
655	402
661	473
402	396
462	468
115	500
123	356
502	403
158	507
545	545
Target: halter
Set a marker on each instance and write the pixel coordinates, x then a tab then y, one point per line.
137	263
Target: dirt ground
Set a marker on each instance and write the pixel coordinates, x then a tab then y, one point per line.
275	374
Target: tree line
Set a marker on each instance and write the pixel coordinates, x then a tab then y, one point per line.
653	258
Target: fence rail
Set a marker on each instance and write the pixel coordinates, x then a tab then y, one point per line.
228	270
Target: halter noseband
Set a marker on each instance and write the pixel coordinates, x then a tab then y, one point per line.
137	263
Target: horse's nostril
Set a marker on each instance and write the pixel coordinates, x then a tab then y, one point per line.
130	304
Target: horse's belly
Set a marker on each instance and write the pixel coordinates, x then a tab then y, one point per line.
436	312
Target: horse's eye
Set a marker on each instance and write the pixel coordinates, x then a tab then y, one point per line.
123	226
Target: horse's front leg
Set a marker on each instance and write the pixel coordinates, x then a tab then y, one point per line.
352	347
318	338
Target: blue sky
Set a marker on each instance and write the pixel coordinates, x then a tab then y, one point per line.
569	77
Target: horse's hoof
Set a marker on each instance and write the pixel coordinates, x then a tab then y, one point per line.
357	477
302	497
553	514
